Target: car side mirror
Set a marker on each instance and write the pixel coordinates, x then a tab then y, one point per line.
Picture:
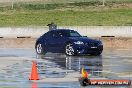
84	36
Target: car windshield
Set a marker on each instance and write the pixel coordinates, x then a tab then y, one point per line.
70	33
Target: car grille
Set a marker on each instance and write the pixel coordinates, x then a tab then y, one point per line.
91	44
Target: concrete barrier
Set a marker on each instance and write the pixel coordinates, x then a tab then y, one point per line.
22	32
90	31
98	31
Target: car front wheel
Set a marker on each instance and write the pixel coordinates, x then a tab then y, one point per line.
69	50
40	49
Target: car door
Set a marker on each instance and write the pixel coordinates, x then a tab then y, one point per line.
49	41
55	41
60	41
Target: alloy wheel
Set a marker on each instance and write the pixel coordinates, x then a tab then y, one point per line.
69	50
39	48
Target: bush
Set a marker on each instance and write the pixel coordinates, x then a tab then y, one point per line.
90	3
40	6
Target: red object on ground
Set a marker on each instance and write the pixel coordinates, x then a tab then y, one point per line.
34	73
34	85
86	74
86	81
111	82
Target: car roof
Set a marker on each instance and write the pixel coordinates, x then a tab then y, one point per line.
62	30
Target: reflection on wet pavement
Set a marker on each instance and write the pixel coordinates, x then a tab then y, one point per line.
17	52
112	64
93	64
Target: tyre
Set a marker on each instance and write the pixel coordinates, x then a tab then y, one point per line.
69	50
40	49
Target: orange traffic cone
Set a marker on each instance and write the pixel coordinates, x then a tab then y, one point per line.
34	85
34	74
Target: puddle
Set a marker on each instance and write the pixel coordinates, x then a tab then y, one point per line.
16	75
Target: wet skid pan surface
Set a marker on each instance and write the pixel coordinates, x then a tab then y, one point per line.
15	68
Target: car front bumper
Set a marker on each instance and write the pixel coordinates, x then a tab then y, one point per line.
83	49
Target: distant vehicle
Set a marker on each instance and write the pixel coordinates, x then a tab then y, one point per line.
67	41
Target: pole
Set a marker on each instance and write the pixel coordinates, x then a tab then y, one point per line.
103	2
12	4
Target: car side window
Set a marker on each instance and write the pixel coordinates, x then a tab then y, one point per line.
51	34
55	34
59	34
46	35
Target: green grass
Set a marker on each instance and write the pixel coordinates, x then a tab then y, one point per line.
115	17
69	14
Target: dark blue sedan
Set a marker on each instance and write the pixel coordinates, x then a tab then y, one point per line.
69	42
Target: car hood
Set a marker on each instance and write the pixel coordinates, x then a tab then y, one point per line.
85	39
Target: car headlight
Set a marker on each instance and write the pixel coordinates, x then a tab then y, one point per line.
79	42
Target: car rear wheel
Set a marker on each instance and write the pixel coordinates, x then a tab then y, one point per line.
40	49
69	50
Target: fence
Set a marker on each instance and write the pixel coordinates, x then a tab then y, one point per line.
18	3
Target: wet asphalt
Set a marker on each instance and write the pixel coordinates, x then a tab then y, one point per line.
112	64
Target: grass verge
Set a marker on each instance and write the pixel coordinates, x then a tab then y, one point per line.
70	14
